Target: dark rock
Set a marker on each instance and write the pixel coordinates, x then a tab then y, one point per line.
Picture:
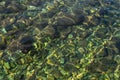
118	45
13	7
26	40
35	2
27	48
56	33
49	14
109	2
8	27
103	11
42	25
64	21
105	52
79	19
26	44
20	25
68	20
3	43
63	9
94	3
7	10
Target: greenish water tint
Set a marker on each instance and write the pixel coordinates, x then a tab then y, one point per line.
60	40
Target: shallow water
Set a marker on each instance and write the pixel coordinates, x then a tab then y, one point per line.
59	39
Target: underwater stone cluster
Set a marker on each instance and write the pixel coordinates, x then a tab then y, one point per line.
59	39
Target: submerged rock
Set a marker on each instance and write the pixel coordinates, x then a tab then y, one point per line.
65	19
27	43
27	40
3	43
